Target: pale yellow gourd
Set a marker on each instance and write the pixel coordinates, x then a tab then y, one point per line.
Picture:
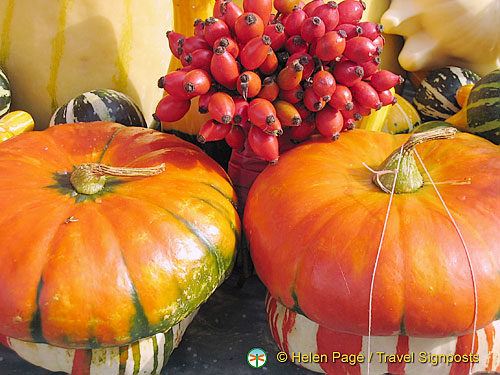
53	50
184	17
446	32
393	43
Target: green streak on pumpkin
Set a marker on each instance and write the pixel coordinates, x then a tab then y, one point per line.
155	354
139	325
93	342
221	193
63	186
402	328
168	348
237	234
106	146
223	212
209	246
36	320
296	306
497	315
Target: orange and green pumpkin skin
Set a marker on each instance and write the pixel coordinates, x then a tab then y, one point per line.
82	271
314	222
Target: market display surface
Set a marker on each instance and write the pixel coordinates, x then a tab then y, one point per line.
339	159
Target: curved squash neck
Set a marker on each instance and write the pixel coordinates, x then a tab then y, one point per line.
401	164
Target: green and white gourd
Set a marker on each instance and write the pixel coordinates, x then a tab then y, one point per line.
146	356
100	105
435	97
5	94
483	108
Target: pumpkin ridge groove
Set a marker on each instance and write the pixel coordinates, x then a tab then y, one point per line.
207	244
402	327
223	212
209	286
296	306
139	326
106	146
36	320
222	193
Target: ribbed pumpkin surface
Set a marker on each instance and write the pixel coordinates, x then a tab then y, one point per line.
110	268
314	223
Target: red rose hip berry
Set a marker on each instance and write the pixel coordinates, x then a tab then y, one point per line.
197	82
329	122
329	14
224	68
385	80
212	131
324	84
171	108
263	144
255	52
312	29
351	11
361	49
330	46
248	26
221	107
366	95
348	72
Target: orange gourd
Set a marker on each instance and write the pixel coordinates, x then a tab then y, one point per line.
88	260
314	223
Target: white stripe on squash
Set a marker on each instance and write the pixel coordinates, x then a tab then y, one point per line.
98	106
105	361
460	74
70	114
147	356
49	357
443	100
160	339
303	335
445	345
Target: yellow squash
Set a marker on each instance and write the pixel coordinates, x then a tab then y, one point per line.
446	32
5	134
53	51
183	23
17	122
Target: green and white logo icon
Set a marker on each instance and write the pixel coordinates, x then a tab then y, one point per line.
256	358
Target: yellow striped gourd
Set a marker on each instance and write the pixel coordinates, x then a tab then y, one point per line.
53	51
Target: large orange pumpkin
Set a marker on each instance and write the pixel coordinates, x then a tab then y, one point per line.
109	267
314	223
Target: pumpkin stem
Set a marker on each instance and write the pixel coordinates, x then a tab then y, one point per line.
409	179
90	178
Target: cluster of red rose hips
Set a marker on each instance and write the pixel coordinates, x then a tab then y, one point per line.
311	67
